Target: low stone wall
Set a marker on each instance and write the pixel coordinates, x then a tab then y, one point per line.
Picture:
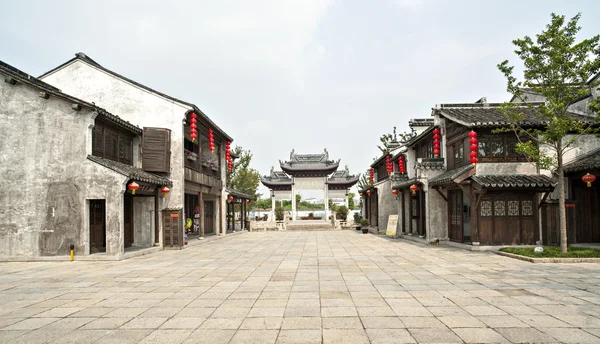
256	226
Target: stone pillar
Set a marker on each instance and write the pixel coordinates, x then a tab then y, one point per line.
293	199
201	236
272	215
326	198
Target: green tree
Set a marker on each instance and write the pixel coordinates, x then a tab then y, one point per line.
242	177
351	196
279	213
557	68
298	198
263	203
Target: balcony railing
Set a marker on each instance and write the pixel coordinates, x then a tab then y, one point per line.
198	163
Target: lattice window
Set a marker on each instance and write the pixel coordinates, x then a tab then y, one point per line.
513	208
486	208
499	208
527	208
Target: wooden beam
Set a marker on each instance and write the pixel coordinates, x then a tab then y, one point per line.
546	194
441	194
465	175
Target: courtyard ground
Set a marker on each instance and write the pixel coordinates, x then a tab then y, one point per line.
301	287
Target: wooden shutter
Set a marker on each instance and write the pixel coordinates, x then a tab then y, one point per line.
156	150
98	140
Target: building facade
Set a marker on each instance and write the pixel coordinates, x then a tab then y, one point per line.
67	164
198	172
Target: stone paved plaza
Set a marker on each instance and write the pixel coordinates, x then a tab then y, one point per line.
301	287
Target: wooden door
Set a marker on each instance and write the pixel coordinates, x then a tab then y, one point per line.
209	221
508	219
128	220
588	212
455	209
97	225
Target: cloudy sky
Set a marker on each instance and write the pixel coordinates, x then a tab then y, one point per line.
285	74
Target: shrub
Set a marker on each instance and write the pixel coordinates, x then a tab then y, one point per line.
311	215
356	218
279	213
365	222
342	212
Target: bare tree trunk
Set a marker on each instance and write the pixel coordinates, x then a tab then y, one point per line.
562	211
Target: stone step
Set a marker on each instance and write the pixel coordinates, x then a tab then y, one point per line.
309	226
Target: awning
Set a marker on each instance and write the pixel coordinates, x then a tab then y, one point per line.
131	172
449	176
515	181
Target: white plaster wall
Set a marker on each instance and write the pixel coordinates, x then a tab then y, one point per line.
47	182
505	168
386	203
133	104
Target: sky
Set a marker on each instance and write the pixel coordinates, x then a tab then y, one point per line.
307	74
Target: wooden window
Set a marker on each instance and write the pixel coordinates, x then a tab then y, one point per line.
499	147
156	150
381	171
111	143
425	148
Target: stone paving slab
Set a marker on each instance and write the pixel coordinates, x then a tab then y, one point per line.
301	287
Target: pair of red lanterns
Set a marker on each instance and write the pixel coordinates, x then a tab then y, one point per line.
371	175
133	186
193	131
228	156
388	165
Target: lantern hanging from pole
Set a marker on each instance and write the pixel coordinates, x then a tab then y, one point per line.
473	147
371	175
436	142
589	179
133	186
229	198
165	190
414	188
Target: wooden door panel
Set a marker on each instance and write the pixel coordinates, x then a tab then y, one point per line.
97	226
456	215
208	217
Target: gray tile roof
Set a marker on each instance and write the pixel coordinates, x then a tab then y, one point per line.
489	115
401	182
40	85
448	176
587	161
237	193
419	137
313	166
515	181
83	57
131	172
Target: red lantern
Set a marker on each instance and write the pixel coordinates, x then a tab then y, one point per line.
371	175
395	192
211	140
165	190
401	166
361	194
388	164
589	179
369	192
193	132
414	188
133	186
436	142
230	198
473	147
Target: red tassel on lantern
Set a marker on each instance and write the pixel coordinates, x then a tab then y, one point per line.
436	142
473	147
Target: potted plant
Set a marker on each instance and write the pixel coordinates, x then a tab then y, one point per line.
191	156
364	224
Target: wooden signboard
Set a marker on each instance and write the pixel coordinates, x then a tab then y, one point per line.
391	225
